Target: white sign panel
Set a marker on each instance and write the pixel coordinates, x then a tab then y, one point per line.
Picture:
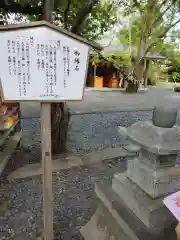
42	64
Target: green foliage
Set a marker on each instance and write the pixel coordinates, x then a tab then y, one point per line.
151	21
173	56
176	76
101	19
95	21
118	59
96	59
124	36
154	19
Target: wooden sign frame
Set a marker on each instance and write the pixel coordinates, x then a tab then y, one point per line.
46	126
34	25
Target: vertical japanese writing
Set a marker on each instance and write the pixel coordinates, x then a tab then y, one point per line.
12	61
18	48
28	62
13	43
19	68
42	50
9	65
9	46
58	45
51	67
47	70
22	51
14	65
38	55
47	79
46	52
68	61
31	41
47	63
76	59
9	57
23	64
55	64
42	62
19	76
19	61
13	46
65	65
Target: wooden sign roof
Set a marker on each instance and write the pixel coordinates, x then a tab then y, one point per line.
13	27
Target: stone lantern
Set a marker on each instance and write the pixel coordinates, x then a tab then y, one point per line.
132	207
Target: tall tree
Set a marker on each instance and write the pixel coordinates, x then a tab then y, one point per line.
156	19
89	18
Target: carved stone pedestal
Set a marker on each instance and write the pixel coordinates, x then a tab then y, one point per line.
132	206
114	219
103	226
151	212
155	182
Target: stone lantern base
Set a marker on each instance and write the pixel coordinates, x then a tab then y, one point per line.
132	207
125	212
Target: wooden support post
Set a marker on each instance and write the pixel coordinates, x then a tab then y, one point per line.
47	169
145	71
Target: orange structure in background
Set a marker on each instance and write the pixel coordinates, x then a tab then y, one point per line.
101	75
113	83
96	82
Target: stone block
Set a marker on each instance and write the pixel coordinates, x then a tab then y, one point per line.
132	148
157	161
164	116
121	215
102	226
152	213
155	183
157	140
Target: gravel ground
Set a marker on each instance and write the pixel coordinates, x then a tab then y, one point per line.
94	132
74	197
74	202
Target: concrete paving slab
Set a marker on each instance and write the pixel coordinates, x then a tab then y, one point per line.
106	154
35	169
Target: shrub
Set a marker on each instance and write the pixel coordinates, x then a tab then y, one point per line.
177	89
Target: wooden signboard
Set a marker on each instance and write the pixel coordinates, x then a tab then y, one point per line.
42	62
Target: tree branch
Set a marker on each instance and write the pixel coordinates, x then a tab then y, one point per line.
13	7
138	5
168	28
160	15
66	13
82	15
162	4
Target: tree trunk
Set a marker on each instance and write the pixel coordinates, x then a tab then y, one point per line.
139	66
146	73
132	87
139	69
82	14
59	115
